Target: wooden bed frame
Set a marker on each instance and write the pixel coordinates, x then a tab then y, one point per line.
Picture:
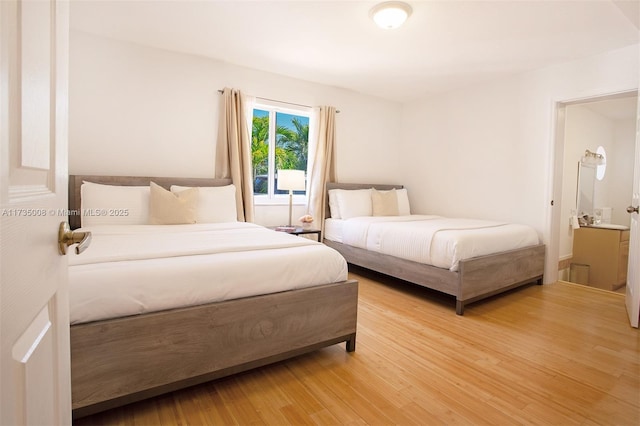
119	361
476	278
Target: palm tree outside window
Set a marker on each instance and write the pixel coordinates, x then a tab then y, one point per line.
289	128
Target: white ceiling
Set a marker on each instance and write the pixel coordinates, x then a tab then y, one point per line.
444	44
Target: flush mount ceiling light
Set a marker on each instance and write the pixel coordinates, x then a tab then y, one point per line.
390	14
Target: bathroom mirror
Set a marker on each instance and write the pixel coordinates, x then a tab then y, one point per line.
585	189
601	168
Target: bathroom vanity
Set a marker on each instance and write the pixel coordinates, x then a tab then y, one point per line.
603	250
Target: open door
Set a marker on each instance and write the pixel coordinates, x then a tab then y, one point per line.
633	274
35	377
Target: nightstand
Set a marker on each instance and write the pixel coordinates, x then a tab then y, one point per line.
298	230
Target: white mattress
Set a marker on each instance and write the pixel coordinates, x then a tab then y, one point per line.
428	239
136	269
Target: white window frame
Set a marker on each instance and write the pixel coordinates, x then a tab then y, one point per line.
273	107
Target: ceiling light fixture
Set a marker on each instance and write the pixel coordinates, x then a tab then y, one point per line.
390	14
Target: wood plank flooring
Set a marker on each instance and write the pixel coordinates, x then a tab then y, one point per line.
557	354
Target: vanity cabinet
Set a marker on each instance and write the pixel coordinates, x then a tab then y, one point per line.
606	252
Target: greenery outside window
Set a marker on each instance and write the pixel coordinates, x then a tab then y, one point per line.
289	128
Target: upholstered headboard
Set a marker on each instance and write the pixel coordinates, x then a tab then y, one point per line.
337	185
75	182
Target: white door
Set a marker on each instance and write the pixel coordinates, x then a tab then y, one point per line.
34	325
633	273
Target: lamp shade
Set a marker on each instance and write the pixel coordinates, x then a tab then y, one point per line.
291	180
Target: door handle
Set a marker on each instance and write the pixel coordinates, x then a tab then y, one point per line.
632	209
67	238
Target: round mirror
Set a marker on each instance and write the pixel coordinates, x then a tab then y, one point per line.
601	168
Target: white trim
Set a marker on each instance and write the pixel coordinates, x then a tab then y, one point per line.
282	107
279	200
556	157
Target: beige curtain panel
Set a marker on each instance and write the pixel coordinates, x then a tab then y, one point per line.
233	150
323	163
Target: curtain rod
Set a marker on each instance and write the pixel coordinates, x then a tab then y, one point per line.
282	102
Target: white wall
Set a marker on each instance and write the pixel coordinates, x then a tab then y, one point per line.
488	151
615	189
621	170
137	110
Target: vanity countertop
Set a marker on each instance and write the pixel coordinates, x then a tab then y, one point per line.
609	226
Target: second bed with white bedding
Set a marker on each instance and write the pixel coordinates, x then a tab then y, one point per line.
429	239
372	226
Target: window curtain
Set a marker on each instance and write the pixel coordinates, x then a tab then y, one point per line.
233	149
322	167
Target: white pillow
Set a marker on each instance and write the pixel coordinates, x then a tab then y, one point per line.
215	203
354	203
334	208
404	209
113	204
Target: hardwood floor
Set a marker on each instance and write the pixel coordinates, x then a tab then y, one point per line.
557	354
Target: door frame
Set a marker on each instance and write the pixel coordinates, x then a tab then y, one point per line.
557	173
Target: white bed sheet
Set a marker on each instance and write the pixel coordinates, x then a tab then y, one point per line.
429	239
136	269
333	229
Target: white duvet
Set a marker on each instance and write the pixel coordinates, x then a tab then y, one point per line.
433	240
135	269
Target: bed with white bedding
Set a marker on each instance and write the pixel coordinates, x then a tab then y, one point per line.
467	258
133	269
154	308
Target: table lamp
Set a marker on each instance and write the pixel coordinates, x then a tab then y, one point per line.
291	180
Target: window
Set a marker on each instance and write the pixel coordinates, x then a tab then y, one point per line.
289	128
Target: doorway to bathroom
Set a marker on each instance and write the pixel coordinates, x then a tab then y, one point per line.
598	152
